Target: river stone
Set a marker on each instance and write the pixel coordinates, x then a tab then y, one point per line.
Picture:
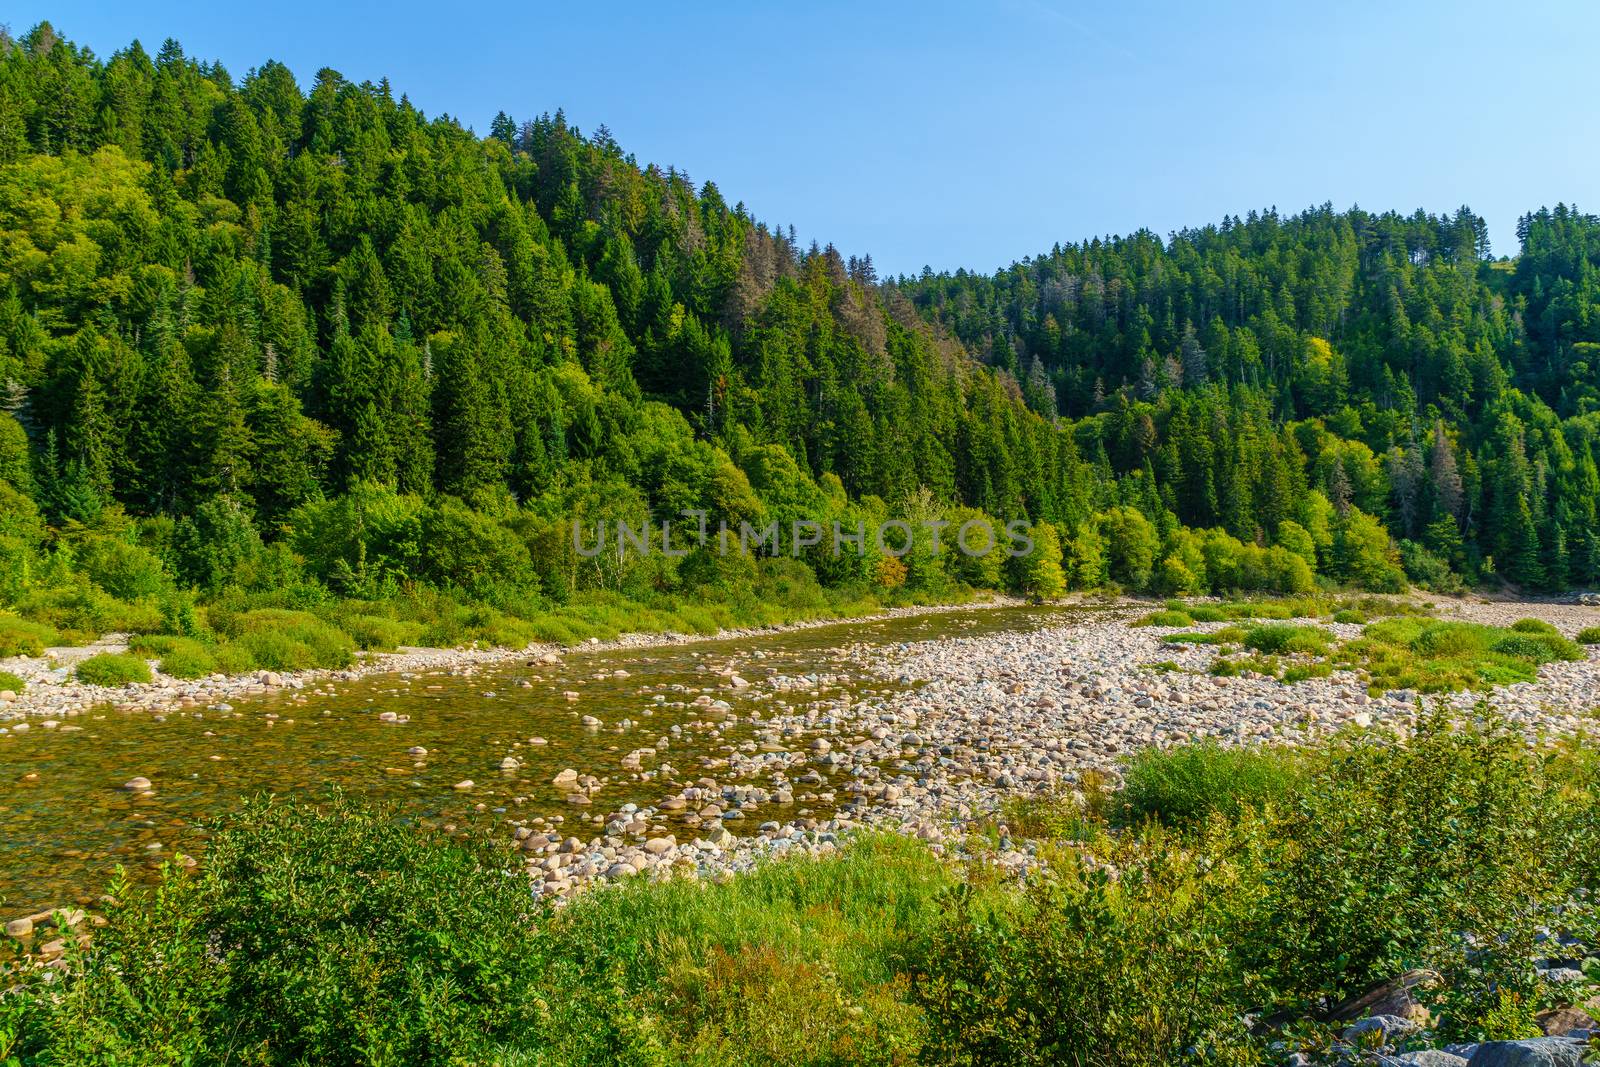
464	785
19	928
565	778
1428	1057
1531	1052
1388	1027
137	785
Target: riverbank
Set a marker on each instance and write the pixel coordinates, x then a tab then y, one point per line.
1423	900
52	690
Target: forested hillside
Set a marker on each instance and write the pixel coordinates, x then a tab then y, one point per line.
281	346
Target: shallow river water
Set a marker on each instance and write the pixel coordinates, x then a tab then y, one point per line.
66	821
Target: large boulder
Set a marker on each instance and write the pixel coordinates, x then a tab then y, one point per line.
1531	1052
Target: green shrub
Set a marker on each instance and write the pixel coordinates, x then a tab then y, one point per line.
188	659
387	947
1535	626
1279	640
1349	616
234	659
1453	851
1589	635
20	637
1207	613
85	612
377	633
12	682
285	640
1168	617
113	669
1185	784
1087	969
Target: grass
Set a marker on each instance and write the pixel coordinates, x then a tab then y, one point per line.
1440	656
179	657
1285	640
23	637
1589	635
1169	617
113	669
11	682
1184	785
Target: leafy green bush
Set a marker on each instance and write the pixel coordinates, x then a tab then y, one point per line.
12	682
1279	640
377	633
20	637
126	571
1349	616
113	669
1085	969
1452	850
1169	617
285	640
1535	626
383	946
85	612
1589	635
188	659
1433	656
1185	784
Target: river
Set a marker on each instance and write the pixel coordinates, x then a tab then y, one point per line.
69	821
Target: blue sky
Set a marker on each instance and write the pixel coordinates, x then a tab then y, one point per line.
974	134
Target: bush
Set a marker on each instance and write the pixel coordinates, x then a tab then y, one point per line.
380	634
1280	639
20	637
1166	618
1535	626
1186	784
1451	851
1092	970
386	947
85	612
283	640
126	571
12	682
112	669
188	659
1589	635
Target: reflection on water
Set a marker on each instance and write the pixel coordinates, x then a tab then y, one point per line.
68	821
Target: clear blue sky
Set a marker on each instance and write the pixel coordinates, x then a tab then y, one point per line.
975	134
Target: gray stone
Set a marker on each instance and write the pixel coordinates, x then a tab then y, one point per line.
1428	1057
1388	1027
1532	1052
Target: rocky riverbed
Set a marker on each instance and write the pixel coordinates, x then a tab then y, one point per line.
976	719
659	757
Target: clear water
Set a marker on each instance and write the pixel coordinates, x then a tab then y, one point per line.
68	822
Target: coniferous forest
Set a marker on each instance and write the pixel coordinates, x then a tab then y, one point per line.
272	346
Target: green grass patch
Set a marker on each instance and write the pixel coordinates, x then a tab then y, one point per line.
1440	656
1186	784
1284	640
1168	617
12	682
1589	635
23	637
113	669
180	657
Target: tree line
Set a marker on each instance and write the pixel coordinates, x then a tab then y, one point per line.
260	333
